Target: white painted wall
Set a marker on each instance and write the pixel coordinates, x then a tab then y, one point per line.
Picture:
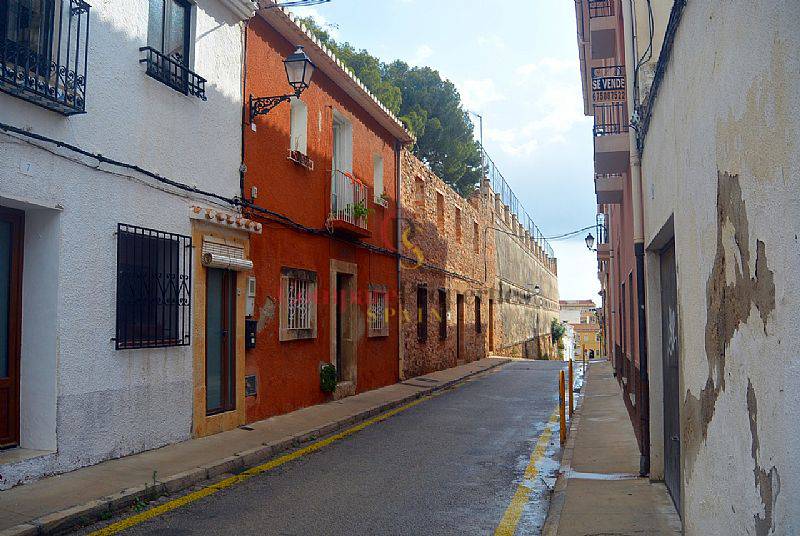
80	397
730	103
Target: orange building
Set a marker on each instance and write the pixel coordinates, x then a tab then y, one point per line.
321	176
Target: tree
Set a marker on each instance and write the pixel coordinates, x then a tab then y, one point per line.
557	330
428	105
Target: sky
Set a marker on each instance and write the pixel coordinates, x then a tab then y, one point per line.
514	62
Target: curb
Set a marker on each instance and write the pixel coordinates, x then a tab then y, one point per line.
558	495
92	511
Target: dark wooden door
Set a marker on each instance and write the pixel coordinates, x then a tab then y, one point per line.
220	340
491	325
11	225
671	361
459	327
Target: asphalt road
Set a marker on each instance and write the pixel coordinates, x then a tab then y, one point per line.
449	465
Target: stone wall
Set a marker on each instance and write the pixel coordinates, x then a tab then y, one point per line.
487	256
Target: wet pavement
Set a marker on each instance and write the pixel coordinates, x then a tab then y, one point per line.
449	465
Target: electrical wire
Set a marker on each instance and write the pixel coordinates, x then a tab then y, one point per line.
293	3
263	212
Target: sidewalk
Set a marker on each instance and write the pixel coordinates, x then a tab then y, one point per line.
57	503
598	490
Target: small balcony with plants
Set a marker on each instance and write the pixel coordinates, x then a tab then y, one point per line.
349	205
44	53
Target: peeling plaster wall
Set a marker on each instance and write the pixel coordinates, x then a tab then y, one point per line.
723	156
81	400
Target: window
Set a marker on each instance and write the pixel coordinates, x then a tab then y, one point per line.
299	126
476	237
422	313
478	327
377	178
153	288
419	193
43	46
168	50
440	211
378	315
458	224
442	313
168	29
342	143
298	304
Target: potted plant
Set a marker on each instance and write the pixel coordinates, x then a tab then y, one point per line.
327	378
360	210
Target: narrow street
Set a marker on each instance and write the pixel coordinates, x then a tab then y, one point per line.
449	465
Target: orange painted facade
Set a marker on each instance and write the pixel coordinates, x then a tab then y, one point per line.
288	371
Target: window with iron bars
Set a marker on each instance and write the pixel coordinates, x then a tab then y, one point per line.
44	52
153	288
377	318
298	304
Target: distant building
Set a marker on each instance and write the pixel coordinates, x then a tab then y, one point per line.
582	318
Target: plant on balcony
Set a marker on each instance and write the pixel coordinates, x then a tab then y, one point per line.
327	378
360	210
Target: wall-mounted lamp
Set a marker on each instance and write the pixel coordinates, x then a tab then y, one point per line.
590	242
299	69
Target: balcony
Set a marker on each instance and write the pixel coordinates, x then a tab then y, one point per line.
609	188
611	143
173	73
601	8
43	58
349	207
603	29
603	245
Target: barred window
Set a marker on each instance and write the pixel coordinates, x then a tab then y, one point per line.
153	288
442	313
477	314
298	304
378	316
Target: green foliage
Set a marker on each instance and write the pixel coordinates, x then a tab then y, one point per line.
327	378
429	106
557	330
360	210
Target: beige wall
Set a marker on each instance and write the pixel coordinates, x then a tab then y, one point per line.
722	161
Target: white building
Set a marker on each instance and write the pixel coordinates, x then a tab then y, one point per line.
72	228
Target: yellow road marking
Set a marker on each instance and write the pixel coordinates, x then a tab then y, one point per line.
508	524
129	522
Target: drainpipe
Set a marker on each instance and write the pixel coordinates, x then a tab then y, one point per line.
398	154
242	167
643	396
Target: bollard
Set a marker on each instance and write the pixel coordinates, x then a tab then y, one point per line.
584	368
571	391
562	421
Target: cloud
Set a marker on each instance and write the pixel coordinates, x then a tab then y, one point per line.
476	94
547	93
321	20
422	53
491	41
577	271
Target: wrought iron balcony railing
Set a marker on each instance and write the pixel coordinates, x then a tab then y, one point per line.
43	56
348	199
601	229
601	8
610	119
173	73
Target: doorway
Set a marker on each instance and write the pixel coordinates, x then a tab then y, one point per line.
220	341
11	236
345	351
459	328
491	325
671	371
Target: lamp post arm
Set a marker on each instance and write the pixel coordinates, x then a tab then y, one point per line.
263	105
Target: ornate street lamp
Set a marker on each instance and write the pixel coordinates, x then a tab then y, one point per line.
590	242
299	69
